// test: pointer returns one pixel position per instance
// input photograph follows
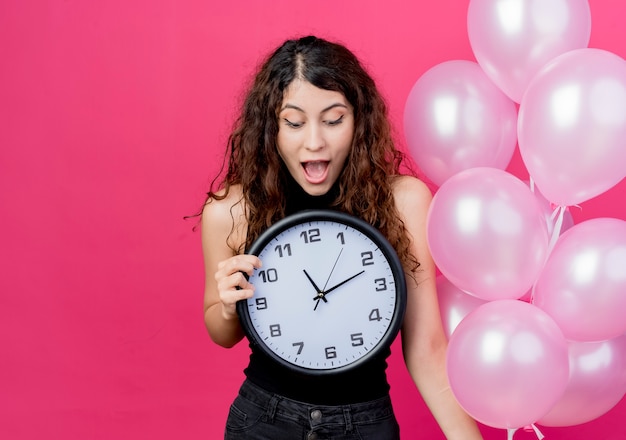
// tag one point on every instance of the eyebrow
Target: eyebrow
(330, 107)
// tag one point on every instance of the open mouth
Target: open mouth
(315, 171)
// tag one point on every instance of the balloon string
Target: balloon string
(559, 212)
(511, 431)
(537, 432)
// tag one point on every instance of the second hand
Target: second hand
(333, 269)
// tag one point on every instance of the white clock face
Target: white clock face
(328, 293)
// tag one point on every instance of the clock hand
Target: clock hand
(343, 282)
(333, 269)
(318, 302)
(322, 295)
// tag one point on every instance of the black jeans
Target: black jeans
(256, 414)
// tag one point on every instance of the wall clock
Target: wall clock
(330, 294)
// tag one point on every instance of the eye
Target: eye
(288, 123)
(335, 121)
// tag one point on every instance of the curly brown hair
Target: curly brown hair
(364, 186)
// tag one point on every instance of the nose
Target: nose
(314, 138)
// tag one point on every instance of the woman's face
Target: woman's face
(315, 133)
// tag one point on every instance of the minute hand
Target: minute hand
(326, 292)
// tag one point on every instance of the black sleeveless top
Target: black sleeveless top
(363, 383)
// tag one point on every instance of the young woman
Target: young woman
(313, 133)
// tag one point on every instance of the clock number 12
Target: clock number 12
(311, 235)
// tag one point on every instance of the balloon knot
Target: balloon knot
(527, 428)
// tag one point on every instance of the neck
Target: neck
(299, 200)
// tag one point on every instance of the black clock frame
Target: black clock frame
(377, 238)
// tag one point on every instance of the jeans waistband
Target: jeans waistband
(317, 414)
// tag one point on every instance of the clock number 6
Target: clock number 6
(331, 352)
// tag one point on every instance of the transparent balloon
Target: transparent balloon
(513, 39)
(507, 363)
(583, 283)
(597, 382)
(455, 118)
(454, 304)
(487, 233)
(572, 126)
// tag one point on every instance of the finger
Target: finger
(235, 281)
(231, 297)
(239, 263)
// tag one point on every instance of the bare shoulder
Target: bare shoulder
(411, 194)
(217, 213)
(225, 218)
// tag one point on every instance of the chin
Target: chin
(316, 190)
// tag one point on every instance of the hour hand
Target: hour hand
(320, 293)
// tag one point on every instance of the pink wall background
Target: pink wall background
(113, 117)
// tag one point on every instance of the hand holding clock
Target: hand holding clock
(232, 284)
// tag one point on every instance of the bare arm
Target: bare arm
(423, 340)
(223, 221)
